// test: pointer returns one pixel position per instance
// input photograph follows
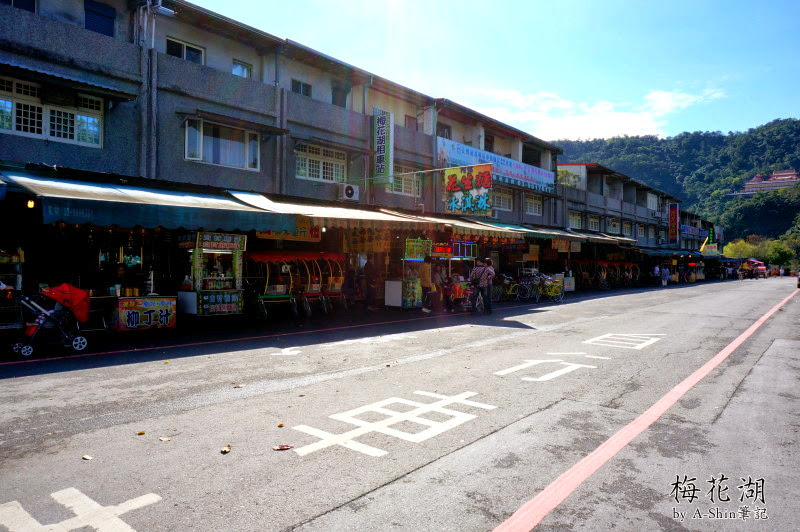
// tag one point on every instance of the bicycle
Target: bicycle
(554, 291)
(510, 289)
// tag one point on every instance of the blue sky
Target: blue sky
(566, 68)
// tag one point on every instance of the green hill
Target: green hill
(703, 168)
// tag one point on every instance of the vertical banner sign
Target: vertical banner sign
(468, 189)
(674, 219)
(712, 236)
(383, 145)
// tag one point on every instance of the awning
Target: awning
(623, 239)
(323, 212)
(509, 227)
(14, 67)
(103, 204)
(595, 237)
(456, 223)
(546, 232)
(656, 252)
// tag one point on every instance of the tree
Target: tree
(778, 253)
(739, 249)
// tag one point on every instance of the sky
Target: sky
(565, 69)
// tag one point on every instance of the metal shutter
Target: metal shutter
(100, 17)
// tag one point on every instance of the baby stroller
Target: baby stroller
(71, 308)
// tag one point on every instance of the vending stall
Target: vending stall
(215, 285)
(407, 292)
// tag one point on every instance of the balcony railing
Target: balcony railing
(328, 117)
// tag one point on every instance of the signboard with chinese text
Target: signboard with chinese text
(139, 313)
(504, 170)
(221, 241)
(711, 250)
(417, 249)
(575, 247)
(383, 145)
(468, 189)
(215, 302)
(442, 250)
(674, 223)
(561, 246)
(304, 231)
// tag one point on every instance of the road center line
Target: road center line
(532, 512)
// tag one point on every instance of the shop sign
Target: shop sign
(561, 246)
(219, 302)
(383, 145)
(365, 240)
(221, 241)
(674, 222)
(712, 235)
(575, 247)
(442, 250)
(465, 250)
(467, 190)
(504, 170)
(569, 284)
(145, 313)
(711, 250)
(533, 249)
(417, 249)
(690, 230)
(304, 231)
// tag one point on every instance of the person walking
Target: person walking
(481, 278)
(664, 276)
(425, 280)
(656, 273)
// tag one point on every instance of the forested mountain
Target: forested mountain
(703, 168)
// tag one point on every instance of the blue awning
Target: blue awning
(103, 204)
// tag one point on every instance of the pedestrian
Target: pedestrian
(664, 276)
(437, 281)
(481, 278)
(425, 281)
(447, 294)
(371, 280)
(780, 272)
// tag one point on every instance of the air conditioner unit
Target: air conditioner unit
(348, 192)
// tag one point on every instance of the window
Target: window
(651, 232)
(641, 231)
(502, 200)
(613, 225)
(23, 113)
(27, 5)
(339, 92)
(411, 122)
(533, 205)
(444, 131)
(301, 88)
(99, 17)
(594, 223)
(318, 163)
(221, 145)
(652, 202)
(488, 143)
(627, 228)
(183, 50)
(575, 219)
(404, 181)
(241, 69)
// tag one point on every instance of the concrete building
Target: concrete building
(777, 180)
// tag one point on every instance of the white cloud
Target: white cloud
(549, 116)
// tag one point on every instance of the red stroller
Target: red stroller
(72, 308)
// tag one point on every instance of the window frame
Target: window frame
(199, 158)
(16, 98)
(303, 85)
(501, 193)
(534, 199)
(184, 44)
(244, 64)
(629, 231)
(591, 226)
(410, 120)
(416, 185)
(574, 215)
(302, 151)
(446, 129)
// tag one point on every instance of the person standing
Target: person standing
(657, 273)
(664, 276)
(481, 278)
(425, 281)
(371, 280)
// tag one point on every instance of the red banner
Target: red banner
(674, 223)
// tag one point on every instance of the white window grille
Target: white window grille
(502, 200)
(320, 164)
(652, 202)
(575, 220)
(404, 181)
(627, 228)
(221, 145)
(23, 113)
(594, 223)
(533, 205)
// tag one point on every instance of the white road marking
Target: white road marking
(557, 373)
(601, 358)
(384, 426)
(87, 512)
(527, 364)
(287, 352)
(625, 341)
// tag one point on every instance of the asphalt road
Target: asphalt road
(447, 422)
